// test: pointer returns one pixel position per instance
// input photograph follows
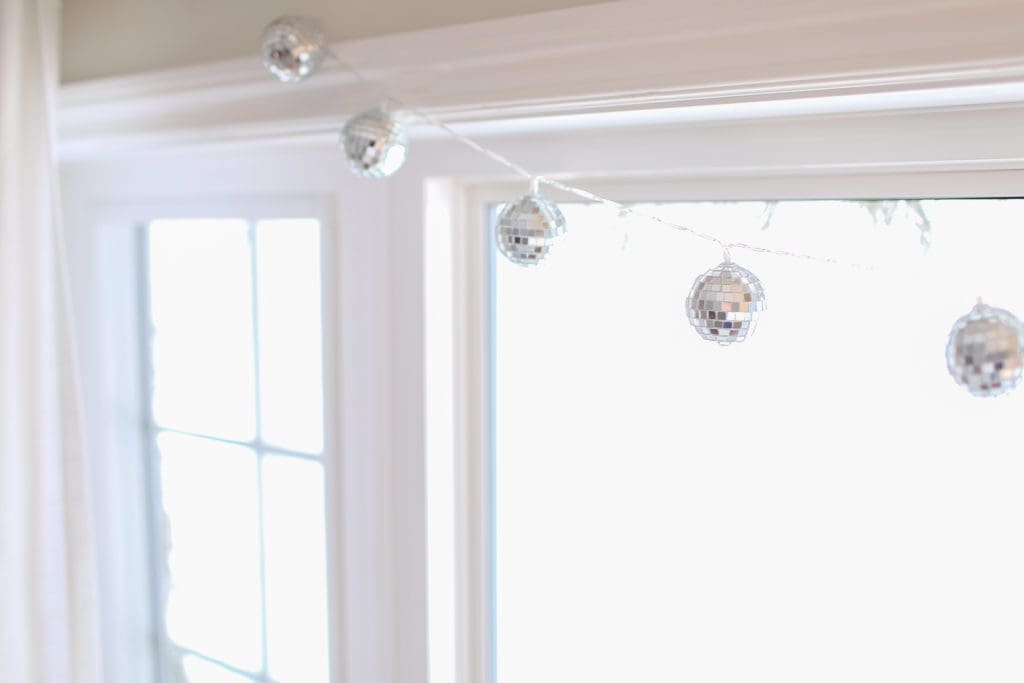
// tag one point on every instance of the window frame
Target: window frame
(406, 289)
(464, 528)
(158, 543)
(127, 473)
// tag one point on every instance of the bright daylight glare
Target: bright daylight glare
(237, 421)
(819, 503)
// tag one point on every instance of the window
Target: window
(666, 509)
(234, 346)
(407, 424)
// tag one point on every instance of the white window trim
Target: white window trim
(383, 320)
(460, 347)
(121, 433)
(460, 530)
(408, 386)
(248, 211)
(610, 57)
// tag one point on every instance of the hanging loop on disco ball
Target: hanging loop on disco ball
(374, 144)
(528, 227)
(293, 48)
(725, 302)
(985, 353)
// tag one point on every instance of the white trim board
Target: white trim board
(636, 54)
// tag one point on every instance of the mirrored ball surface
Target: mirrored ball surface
(293, 48)
(724, 303)
(984, 353)
(528, 227)
(374, 144)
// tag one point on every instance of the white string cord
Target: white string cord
(469, 142)
(623, 209)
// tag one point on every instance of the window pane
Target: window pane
(820, 502)
(296, 563)
(201, 671)
(201, 307)
(288, 267)
(210, 495)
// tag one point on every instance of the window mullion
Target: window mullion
(255, 444)
(170, 656)
(254, 294)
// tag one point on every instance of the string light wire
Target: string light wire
(391, 101)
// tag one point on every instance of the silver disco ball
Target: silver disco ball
(374, 143)
(293, 48)
(725, 302)
(528, 227)
(984, 353)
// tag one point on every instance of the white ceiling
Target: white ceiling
(113, 37)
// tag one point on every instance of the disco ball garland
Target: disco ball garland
(985, 351)
(374, 144)
(293, 48)
(725, 302)
(528, 227)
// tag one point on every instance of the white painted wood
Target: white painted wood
(102, 202)
(382, 318)
(615, 56)
(908, 154)
(103, 253)
(474, 427)
(794, 99)
(443, 585)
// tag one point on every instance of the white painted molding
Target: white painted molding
(632, 55)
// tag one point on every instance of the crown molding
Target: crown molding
(727, 58)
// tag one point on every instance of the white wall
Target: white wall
(111, 37)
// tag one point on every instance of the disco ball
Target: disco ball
(374, 144)
(985, 351)
(293, 48)
(725, 302)
(528, 227)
